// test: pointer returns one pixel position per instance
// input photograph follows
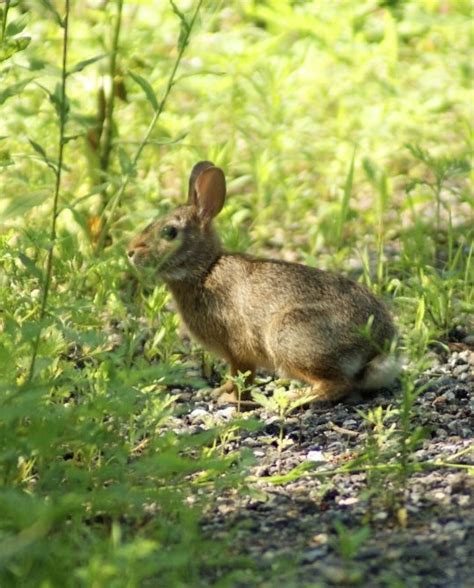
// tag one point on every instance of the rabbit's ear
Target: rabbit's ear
(197, 169)
(210, 193)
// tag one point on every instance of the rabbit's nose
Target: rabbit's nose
(135, 250)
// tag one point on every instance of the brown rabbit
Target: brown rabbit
(306, 323)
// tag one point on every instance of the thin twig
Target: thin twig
(110, 103)
(115, 200)
(342, 430)
(141, 445)
(49, 260)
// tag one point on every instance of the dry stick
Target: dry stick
(118, 195)
(110, 104)
(342, 430)
(49, 261)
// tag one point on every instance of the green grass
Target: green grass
(345, 131)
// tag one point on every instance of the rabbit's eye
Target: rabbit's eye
(169, 232)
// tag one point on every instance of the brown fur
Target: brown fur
(309, 324)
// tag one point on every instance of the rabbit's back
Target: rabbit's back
(262, 288)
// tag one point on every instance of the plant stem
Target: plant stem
(4, 19)
(57, 186)
(171, 79)
(280, 443)
(110, 104)
(384, 468)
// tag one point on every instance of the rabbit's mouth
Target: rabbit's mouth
(143, 258)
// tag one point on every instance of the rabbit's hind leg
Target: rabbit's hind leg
(225, 391)
(320, 389)
(306, 345)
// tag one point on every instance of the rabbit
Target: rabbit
(302, 322)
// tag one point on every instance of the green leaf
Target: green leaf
(36, 63)
(80, 218)
(294, 474)
(13, 90)
(83, 64)
(6, 159)
(30, 266)
(42, 153)
(56, 99)
(51, 8)
(11, 46)
(39, 149)
(184, 31)
(15, 27)
(23, 204)
(126, 164)
(146, 87)
(178, 12)
(170, 141)
(268, 404)
(346, 198)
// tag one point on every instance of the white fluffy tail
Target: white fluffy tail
(380, 372)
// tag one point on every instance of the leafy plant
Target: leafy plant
(348, 544)
(281, 404)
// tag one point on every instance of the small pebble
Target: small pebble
(320, 539)
(461, 369)
(316, 457)
(449, 396)
(198, 414)
(451, 527)
(349, 423)
(467, 356)
(348, 501)
(226, 413)
(312, 555)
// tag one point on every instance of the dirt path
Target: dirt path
(325, 528)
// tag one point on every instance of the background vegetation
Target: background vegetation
(345, 129)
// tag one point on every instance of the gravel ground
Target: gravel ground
(288, 524)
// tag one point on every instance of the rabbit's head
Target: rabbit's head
(183, 244)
